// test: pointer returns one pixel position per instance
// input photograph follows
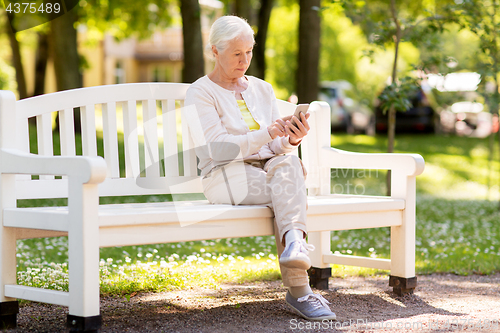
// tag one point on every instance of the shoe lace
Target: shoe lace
(306, 247)
(316, 300)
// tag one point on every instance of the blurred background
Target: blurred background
(407, 76)
(385, 67)
(342, 52)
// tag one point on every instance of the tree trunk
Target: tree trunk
(391, 117)
(16, 58)
(42, 56)
(194, 64)
(258, 66)
(244, 10)
(308, 58)
(496, 97)
(64, 47)
(64, 52)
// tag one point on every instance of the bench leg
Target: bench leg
(8, 314)
(84, 324)
(320, 271)
(403, 286)
(318, 277)
(83, 249)
(403, 279)
(9, 307)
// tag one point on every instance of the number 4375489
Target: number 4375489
(33, 8)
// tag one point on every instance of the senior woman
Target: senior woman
(241, 144)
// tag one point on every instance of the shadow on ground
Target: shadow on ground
(260, 307)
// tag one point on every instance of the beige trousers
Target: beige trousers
(278, 183)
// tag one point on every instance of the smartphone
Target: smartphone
(301, 108)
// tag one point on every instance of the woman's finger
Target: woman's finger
(292, 127)
(304, 123)
(281, 122)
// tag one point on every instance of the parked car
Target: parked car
(468, 119)
(421, 117)
(347, 114)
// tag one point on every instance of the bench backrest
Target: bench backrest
(158, 155)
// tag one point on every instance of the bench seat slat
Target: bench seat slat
(189, 154)
(58, 188)
(130, 139)
(333, 204)
(354, 220)
(55, 219)
(44, 137)
(189, 212)
(110, 139)
(89, 139)
(37, 294)
(170, 152)
(67, 132)
(342, 259)
(174, 232)
(150, 138)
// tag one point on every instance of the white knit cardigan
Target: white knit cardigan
(218, 129)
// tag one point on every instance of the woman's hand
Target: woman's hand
(297, 132)
(277, 129)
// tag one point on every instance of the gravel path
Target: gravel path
(441, 303)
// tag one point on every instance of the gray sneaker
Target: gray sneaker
(296, 255)
(311, 307)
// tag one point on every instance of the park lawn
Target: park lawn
(457, 229)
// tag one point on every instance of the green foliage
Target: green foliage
(121, 18)
(281, 50)
(483, 18)
(398, 94)
(340, 58)
(4, 77)
(341, 43)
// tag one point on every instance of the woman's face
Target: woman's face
(235, 59)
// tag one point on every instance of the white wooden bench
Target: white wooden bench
(90, 226)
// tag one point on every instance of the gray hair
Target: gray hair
(225, 29)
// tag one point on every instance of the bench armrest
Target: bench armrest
(90, 170)
(408, 164)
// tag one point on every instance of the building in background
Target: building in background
(157, 59)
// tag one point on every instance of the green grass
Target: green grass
(455, 167)
(457, 228)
